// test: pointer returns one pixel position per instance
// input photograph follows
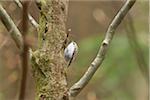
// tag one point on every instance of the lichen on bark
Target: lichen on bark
(48, 64)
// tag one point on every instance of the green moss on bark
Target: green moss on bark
(47, 61)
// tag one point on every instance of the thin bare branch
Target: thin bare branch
(132, 38)
(31, 19)
(9, 24)
(3, 43)
(77, 87)
(33, 22)
(25, 52)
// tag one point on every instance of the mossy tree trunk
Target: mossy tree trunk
(49, 66)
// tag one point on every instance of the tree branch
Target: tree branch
(3, 43)
(25, 51)
(132, 38)
(9, 24)
(31, 19)
(77, 87)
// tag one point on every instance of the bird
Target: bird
(70, 52)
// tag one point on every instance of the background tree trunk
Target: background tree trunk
(49, 66)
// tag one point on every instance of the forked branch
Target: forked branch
(31, 19)
(77, 87)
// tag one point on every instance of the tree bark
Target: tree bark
(48, 64)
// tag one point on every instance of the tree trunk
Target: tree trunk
(49, 66)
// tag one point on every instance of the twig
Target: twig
(132, 38)
(77, 87)
(31, 19)
(9, 24)
(3, 43)
(5, 40)
(25, 52)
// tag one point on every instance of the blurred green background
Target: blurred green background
(120, 77)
